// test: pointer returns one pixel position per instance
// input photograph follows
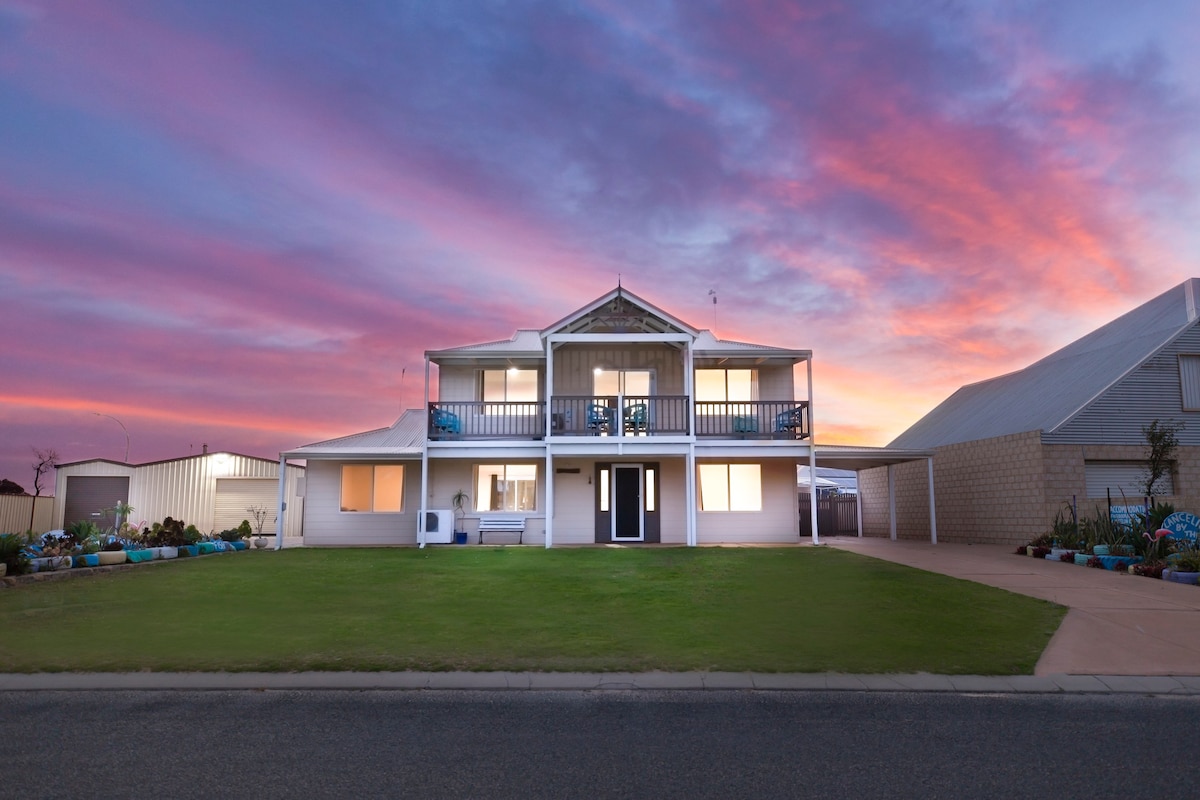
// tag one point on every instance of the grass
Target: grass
(759, 609)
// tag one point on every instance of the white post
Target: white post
(282, 507)
(892, 501)
(549, 499)
(932, 509)
(693, 538)
(858, 500)
(812, 459)
(424, 464)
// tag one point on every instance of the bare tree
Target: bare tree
(46, 461)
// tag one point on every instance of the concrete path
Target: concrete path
(1118, 624)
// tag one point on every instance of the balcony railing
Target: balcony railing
(753, 419)
(614, 415)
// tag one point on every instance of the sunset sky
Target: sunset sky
(237, 223)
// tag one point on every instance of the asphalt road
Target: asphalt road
(533, 745)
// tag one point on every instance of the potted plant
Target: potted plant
(459, 500)
(260, 518)
(13, 557)
(1183, 567)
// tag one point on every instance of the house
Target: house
(1012, 452)
(211, 491)
(619, 423)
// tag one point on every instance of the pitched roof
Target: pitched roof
(405, 437)
(1049, 393)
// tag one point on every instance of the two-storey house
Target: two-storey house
(618, 424)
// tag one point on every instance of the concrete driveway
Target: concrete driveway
(1118, 624)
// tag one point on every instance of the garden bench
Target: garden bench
(502, 524)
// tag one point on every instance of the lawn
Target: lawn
(480, 608)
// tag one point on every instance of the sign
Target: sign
(1183, 526)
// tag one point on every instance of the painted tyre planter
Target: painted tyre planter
(138, 556)
(207, 548)
(1081, 559)
(1181, 577)
(168, 552)
(86, 560)
(1056, 553)
(1120, 563)
(189, 550)
(238, 545)
(51, 563)
(110, 557)
(1100, 550)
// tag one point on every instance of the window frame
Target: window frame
(728, 487)
(372, 491)
(481, 495)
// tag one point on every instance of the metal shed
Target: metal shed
(211, 491)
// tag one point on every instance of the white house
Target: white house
(617, 424)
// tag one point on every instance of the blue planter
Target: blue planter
(137, 556)
(89, 560)
(186, 550)
(1181, 577)
(460, 537)
(1119, 562)
(238, 545)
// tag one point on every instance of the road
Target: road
(531, 745)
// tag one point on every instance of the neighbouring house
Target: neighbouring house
(618, 424)
(1012, 452)
(211, 491)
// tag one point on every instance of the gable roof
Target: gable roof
(1049, 393)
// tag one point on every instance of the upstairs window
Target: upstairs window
(724, 386)
(509, 385)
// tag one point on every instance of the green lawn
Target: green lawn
(479, 608)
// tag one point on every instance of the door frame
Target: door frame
(640, 501)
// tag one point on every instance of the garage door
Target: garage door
(236, 495)
(89, 495)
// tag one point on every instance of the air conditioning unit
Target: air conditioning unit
(439, 526)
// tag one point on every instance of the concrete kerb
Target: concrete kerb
(599, 682)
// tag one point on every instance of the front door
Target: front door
(628, 511)
(627, 502)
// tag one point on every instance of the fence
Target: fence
(14, 513)
(837, 515)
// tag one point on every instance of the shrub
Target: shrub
(12, 552)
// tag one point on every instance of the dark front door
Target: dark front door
(628, 515)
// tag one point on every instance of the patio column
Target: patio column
(858, 500)
(549, 499)
(892, 501)
(932, 509)
(424, 504)
(812, 459)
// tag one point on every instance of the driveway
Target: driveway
(1118, 624)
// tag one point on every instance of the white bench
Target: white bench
(502, 524)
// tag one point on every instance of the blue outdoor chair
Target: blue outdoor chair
(599, 417)
(636, 418)
(791, 421)
(446, 422)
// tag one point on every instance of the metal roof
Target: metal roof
(405, 437)
(1049, 393)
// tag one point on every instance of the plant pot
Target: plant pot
(260, 542)
(111, 557)
(460, 537)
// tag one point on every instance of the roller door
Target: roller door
(235, 495)
(89, 495)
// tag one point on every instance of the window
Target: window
(1122, 480)
(506, 487)
(725, 385)
(632, 382)
(1189, 380)
(730, 487)
(372, 487)
(509, 385)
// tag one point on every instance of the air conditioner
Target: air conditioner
(439, 526)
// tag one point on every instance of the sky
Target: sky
(241, 224)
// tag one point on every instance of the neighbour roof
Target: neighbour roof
(1049, 393)
(406, 436)
(165, 460)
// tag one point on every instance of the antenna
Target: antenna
(402, 371)
(713, 294)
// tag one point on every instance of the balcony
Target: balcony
(658, 415)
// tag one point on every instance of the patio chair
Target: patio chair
(791, 421)
(446, 423)
(635, 418)
(599, 417)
